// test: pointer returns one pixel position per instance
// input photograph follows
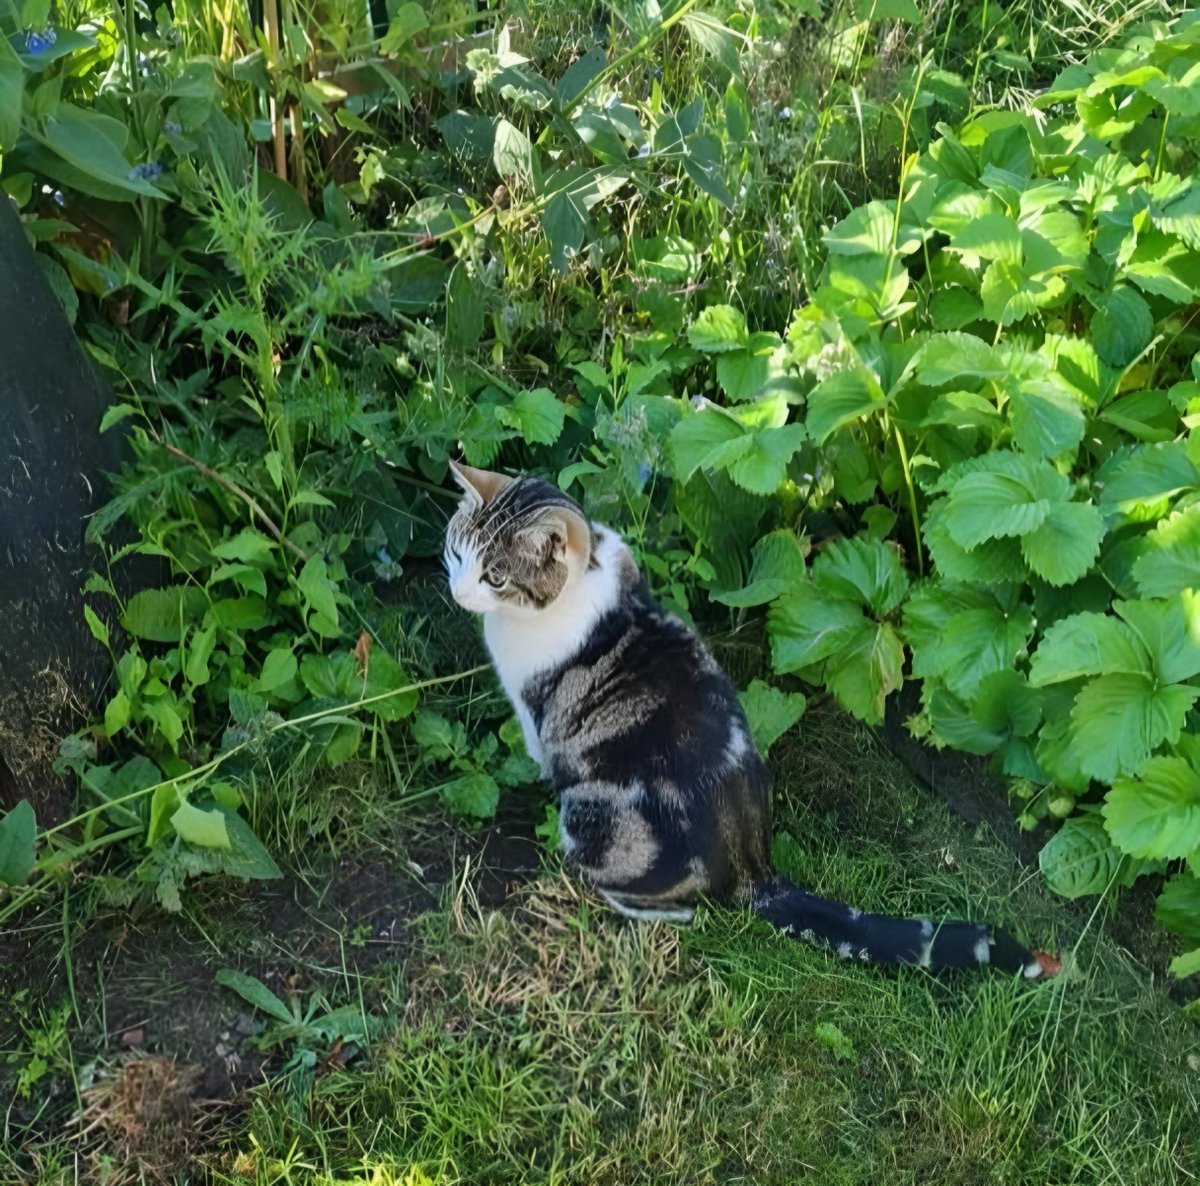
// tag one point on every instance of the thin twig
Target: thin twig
(248, 499)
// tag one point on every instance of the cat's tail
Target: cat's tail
(886, 939)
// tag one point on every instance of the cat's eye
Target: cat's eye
(493, 577)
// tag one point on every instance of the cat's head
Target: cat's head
(514, 545)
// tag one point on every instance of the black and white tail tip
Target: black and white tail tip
(885, 939)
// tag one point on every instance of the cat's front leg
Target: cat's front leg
(533, 743)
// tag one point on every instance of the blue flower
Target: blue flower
(785, 113)
(644, 472)
(146, 172)
(38, 43)
(171, 127)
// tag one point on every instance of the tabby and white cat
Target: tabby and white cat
(663, 796)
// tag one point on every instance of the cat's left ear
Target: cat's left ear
(479, 485)
(566, 536)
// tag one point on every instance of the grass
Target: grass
(534, 1038)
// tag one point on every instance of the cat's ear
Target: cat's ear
(480, 485)
(565, 535)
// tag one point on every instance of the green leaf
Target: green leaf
(474, 795)
(386, 675)
(808, 625)
(714, 38)
(696, 436)
(1178, 907)
(841, 399)
(1047, 420)
(205, 829)
(761, 460)
(1063, 549)
(953, 357)
(866, 671)
(771, 712)
(1187, 964)
(255, 993)
(163, 615)
(249, 546)
(318, 589)
(92, 146)
(1079, 859)
(579, 75)
(18, 839)
(1148, 474)
(1012, 495)
(565, 224)
(95, 625)
(777, 564)
(744, 373)
(1119, 720)
(116, 714)
(246, 856)
(278, 668)
(408, 21)
(992, 236)
(992, 562)
(1121, 327)
(537, 415)
(1157, 814)
(976, 643)
(195, 666)
(1170, 632)
(867, 570)
(512, 154)
(1087, 644)
(12, 88)
(1002, 707)
(718, 328)
(1170, 562)
(866, 230)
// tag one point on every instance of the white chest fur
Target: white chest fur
(523, 646)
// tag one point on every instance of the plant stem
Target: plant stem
(234, 489)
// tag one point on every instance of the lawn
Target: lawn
(872, 326)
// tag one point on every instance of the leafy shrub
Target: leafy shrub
(1002, 379)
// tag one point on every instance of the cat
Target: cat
(663, 797)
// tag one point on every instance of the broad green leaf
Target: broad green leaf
(867, 570)
(868, 230)
(841, 399)
(695, 437)
(97, 627)
(1006, 500)
(991, 237)
(714, 38)
(386, 675)
(808, 625)
(474, 795)
(1178, 906)
(1047, 420)
(116, 714)
(952, 308)
(512, 154)
(1187, 964)
(565, 224)
(93, 145)
(777, 564)
(318, 589)
(977, 643)
(762, 464)
(718, 328)
(953, 357)
(1121, 326)
(538, 415)
(1087, 644)
(866, 671)
(1079, 859)
(12, 87)
(1170, 632)
(255, 993)
(1119, 720)
(1147, 474)
(579, 75)
(1065, 546)
(996, 561)
(195, 666)
(163, 615)
(249, 547)
(164, 802)
(278, 668)
(18, 838)
(206, 829)
(744, 373)
(771, 712)
(246, 856)
(1170, 562)
(1157, 813)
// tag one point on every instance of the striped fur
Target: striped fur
(663, 796)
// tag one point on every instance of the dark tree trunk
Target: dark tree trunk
(53, 463)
